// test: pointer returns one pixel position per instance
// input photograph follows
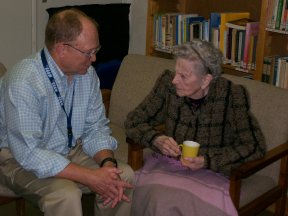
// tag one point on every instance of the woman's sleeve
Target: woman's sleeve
(247, 139)
(149, 113)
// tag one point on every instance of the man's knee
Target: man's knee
(59, 194)
(128, 173)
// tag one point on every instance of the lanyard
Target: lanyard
(61, 102)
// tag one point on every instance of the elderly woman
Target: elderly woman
(196, 103)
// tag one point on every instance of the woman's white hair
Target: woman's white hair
(203, 52)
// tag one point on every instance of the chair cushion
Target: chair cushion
(248, 190)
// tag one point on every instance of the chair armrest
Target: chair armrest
(247, 169)
(135, 150)
(135, 154)
(106, 94)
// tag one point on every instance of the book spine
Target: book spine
(242, 48)
(284, 15)
(265, 70)
(275, 75)
(240, 41)
(251, 30)
(286, 75)
(274, 15)
(279, 14)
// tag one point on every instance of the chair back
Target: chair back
(269, 104)
(137, 76)
(2, 69)
(135, 79)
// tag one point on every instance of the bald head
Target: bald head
(66, 26)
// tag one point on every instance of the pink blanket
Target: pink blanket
(165, 187)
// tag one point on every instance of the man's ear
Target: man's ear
(206, 80)
(60, 49)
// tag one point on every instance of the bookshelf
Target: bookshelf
(204, 8)
(271, 41)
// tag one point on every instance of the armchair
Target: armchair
(261, 182)
(6, 195)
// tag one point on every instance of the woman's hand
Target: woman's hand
(167, 146)
(193, 163)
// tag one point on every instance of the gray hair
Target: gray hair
(209, 57)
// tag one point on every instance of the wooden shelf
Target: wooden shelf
(270, 41)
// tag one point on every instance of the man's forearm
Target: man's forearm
(75, 173)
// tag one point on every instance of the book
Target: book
(250, 55)
(226, 17)
(206, 30)
(215, 37)
(286, 76)
(195, 27)
(284, 15)
(252, 30)
(240, 47)
(195, 31)
(233, 46)
(269, 13)
(275, 69)
(279, 14)
(185, 26)
(228, 51)
(253, 66)
(280, 79)
(239, 24)
(214, 28)
(274, 14)
(266, 69)
(215, 20)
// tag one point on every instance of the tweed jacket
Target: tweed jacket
(227, 131)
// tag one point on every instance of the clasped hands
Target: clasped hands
(106, 182)
(169, 147)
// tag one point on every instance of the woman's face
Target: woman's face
(188, 81)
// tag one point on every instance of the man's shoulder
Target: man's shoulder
(25, 67)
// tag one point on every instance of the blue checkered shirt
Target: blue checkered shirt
(33, 124)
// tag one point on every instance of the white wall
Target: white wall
(22, 28)
(15, 34)
(138, 11)
(138, 19)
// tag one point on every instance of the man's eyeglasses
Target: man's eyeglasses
(87, 54)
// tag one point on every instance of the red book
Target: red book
(252, 30)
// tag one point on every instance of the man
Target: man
(53, 123)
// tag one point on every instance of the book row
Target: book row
(275, 71)
(240, 43)
(232, 32)
(174, 29)
(277, 11)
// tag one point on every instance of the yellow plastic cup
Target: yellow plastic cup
(189, 149)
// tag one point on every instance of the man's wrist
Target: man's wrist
(109, 160)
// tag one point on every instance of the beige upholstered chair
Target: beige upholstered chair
(269, 104)
(6, 195)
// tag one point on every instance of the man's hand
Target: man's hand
(107, 183)
(104, 181)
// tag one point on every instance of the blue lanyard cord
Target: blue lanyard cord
(61, 102)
